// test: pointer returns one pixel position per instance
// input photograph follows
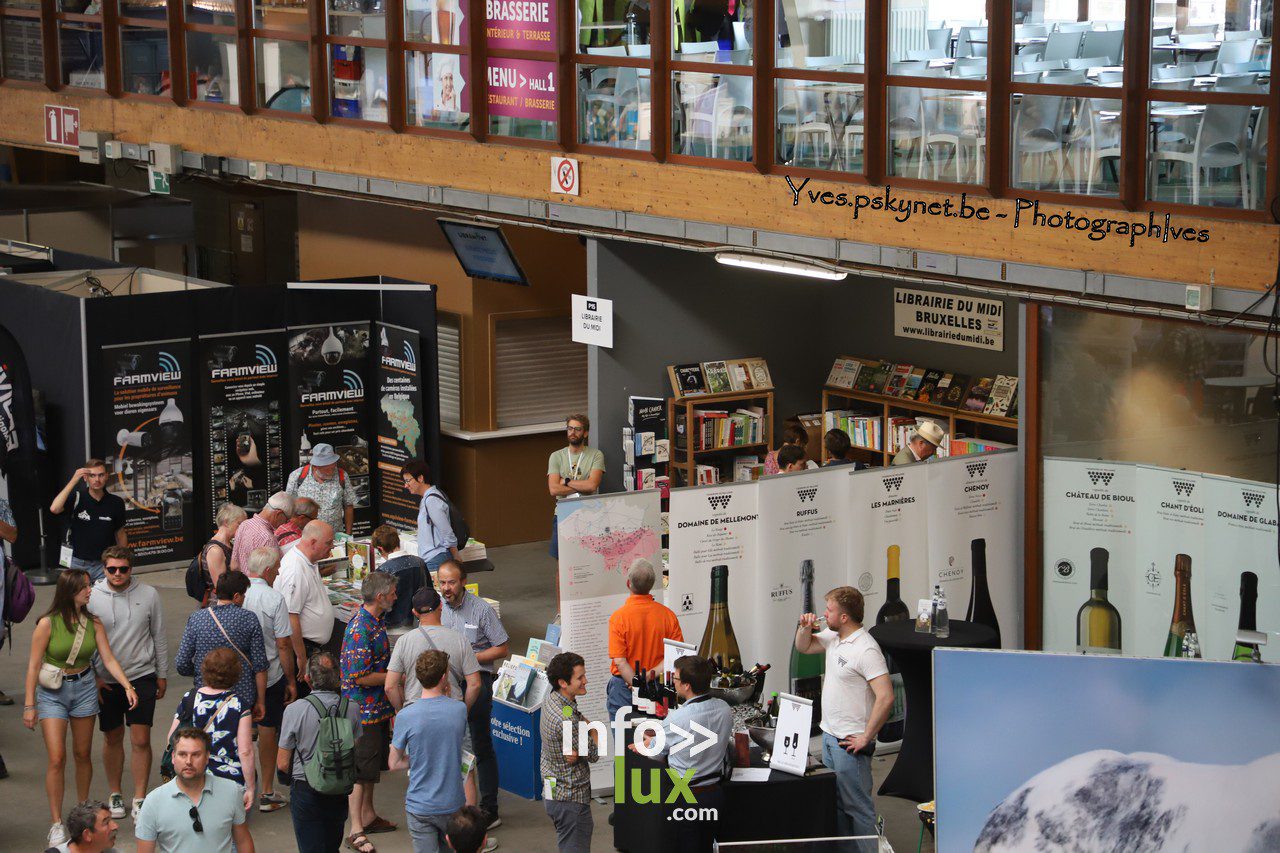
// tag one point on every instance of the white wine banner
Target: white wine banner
(1142, 518)
(889, 506)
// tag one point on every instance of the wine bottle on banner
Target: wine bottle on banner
(1183, 621)
(894, 609)
(981, 610)
(1246, 651)
(1098, 621)
(807, 669)
(719, 643)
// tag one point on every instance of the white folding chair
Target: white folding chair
(1221, 143)
(1087, 62)
(1073, 26)
(1063, 45)
(1109, 44)
(1037, 130)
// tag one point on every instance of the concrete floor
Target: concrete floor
(524, 583)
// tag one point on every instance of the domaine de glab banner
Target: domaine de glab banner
(399, 420)
(146, 443)
(1124, 526)
(242, 389)
(327, 369)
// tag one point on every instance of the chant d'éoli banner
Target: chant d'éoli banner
(327, 370)
(399, 421)
(243, 393)
(145, 437)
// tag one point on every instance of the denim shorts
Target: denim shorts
(76, 698)
(93, 567)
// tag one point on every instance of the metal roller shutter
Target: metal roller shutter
(449, 368)
(540, 373)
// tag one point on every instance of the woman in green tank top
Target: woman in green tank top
(75, 704)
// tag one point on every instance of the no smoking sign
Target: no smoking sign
(564, 176)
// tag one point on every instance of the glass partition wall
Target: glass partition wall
(1129, 104)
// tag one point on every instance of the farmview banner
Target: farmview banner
(1148, 521)
(145, 438)
(242, 394)
(398, 419)
(328, 366)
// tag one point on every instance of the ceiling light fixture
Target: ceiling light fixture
(757, 262)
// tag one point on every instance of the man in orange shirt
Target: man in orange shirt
(636, 632)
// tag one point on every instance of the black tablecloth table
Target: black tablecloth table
(912, 774)
(786, 806)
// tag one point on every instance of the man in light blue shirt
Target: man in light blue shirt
(436, 541)
(705, 770)
(428, 742)
(197, 812)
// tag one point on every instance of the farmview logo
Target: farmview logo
(893, 484)
(1184, 488)
(169, 371)
(719, 502)
(976, 469)
(353, 389)
(265, 365)
(1253, 500)
(409, 362)
(807, 495)
(648, 738)
(1103, 477)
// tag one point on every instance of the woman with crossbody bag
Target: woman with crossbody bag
(216, 708)
(62, 691)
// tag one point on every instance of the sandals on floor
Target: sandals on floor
(360, 843)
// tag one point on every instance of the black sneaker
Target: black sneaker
(4, 771)
(494, 823)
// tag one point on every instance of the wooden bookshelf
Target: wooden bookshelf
(886, 407)
(686, 460)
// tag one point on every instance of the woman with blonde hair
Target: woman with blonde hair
(62, 691)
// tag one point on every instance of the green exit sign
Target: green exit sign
(158, 180)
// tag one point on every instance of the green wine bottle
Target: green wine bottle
(806, 669)
(1244, 651)
(1097, 620)
(1183, 621)
(718, 639)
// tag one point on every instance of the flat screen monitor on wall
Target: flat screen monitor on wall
(483, 251)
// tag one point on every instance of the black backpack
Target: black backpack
(197, 579)
(458, 524)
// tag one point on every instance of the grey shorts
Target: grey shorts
(428, 832)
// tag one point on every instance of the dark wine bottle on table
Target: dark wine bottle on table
(807, 669)
(1098, 621)
(894, 609)
(719, 643)
(1183, 621)
(1245, 651)
(981, 610)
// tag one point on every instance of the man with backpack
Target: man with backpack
(438, 520)
(324, 482)
(97, 517)
(317, 758)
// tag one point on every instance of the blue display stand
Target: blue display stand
(517, 740)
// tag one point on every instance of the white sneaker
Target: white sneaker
(115, 804)
(137, 807)
(489, 844)
(494, 824)
(58, 835)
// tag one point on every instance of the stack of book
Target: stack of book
(473, 550)
(996, 395)
(716, 428)
(646, 450)
(960, 445)
(719, 377)
(863, 430)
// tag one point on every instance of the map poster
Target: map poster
(973, 503)
(714, 526)
(803, 525)
(399, 421)
(599, 538)
(242, 393)
(1088, 505)
(146, 443)
(327, 371)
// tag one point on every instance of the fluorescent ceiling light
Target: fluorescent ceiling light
(757, 262)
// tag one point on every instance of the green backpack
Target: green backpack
(331, 767)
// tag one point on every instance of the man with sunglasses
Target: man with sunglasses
(196, 812)
(573, 470)
(133, 616)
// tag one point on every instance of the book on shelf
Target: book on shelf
(628, 478)
(872, 379)
(645, 444)
(843, 372)
(1002, 391)
(628, 446)
(716, 375)
(662, 450)
(927, 391)
(979, 393)
(646, 478)
(914, 378)
(739, 376)
(898, 430)
(863, 430)
(1013, 404)
(759, 370)
(897, 380)
(648, 414)
(663, 484)
(687, 379)
(961, 445)
(747, 468)
(707, 475)
(956, 387)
